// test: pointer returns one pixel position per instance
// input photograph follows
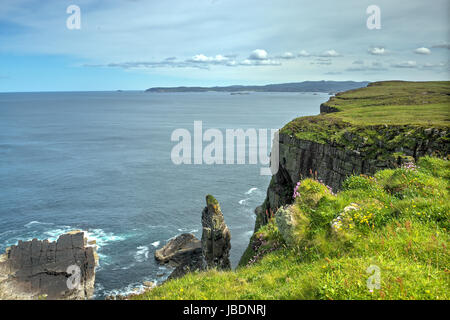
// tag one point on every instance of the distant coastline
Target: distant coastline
(305, 86)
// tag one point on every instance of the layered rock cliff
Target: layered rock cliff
(36, 269)
(332, 162)
(360, 131)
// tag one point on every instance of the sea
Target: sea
(102, 162)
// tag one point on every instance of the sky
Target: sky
(137, 44)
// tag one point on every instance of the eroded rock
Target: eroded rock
(39, 269)
(183, 252)
(179, 250)
(215, 236)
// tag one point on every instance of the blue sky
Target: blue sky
(136, 44)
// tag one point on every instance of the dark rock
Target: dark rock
(179, 250)
(195, 264)
(215, 236)
(35, 269)
(324, 108)
(183, 252)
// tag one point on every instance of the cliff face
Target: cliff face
(360, 132)
(41, 269)
(333, 162)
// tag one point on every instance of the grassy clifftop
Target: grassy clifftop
(382, 118)
(395, 102)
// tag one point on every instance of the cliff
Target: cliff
(361, 131)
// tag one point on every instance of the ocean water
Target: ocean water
(100, 162)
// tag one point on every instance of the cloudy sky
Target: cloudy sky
(136, 44)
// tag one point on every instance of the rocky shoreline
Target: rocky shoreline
(65, 269)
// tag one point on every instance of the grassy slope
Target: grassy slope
(401, 225)
(395, 102)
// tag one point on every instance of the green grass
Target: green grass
(395, 102)
(400, 223)
(406, 106)
(425, 115)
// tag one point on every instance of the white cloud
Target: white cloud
(258, 54)
(266, 62)
(321, 61)
(202, 58)
(363, 67)
(429, 65)
(405, 64)
(422, 50)
(303, 53)
(333, 73)
(258, 57)
(377, 51)
(444, 45)
(287, 55)
(330, 53)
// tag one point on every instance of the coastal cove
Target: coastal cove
(100, 162)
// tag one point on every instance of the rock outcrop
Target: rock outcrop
(215, 236)
(36, 269)
(187, 254)
(179, 250)
(183, 252)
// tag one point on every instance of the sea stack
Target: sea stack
(215, 236)
(40, 269)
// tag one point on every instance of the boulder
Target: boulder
(36, 269)
(183, 252)
(180, 250)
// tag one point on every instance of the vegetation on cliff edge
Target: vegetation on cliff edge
(396, 104)
(383, 121)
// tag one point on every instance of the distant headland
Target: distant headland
(305, 86)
